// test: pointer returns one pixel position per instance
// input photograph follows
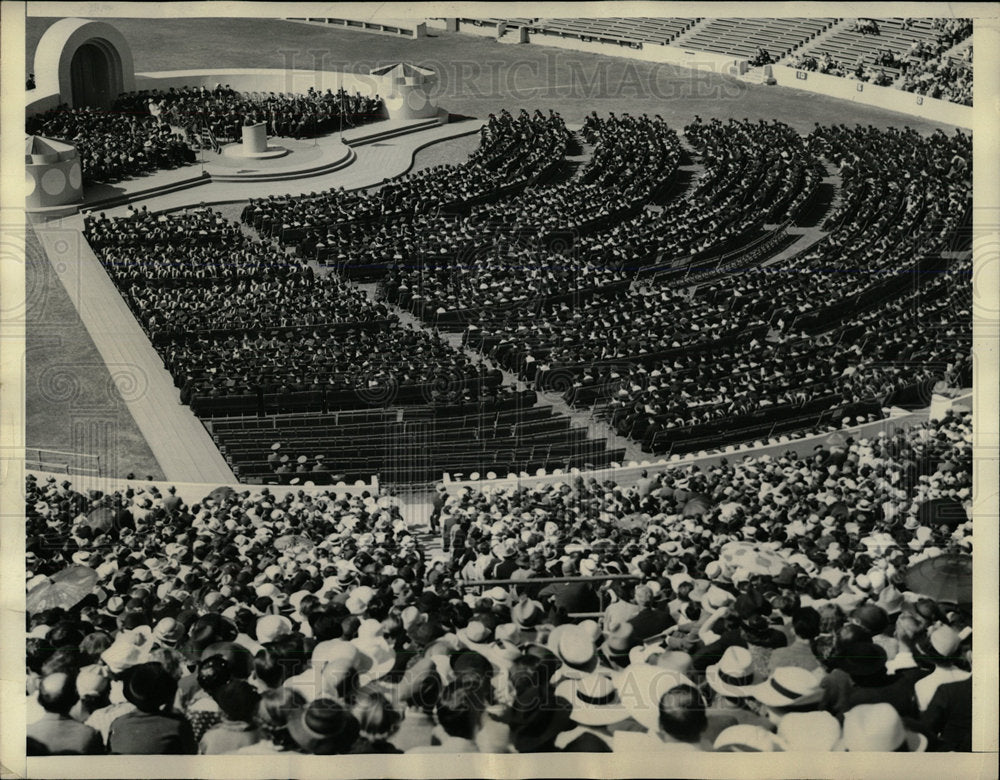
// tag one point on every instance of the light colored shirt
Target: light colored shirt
(926, 686)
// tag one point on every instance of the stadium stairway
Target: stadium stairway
(829, 32)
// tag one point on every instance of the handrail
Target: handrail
(546, 580)
(40, 450)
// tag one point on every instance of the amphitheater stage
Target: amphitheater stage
(366, 157)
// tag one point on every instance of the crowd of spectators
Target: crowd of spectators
(225, 111)
(113, 144)
(633, 158)
(922, 67)
(771, 604)
(922, 336)
(262, 320)
(942, 78)
(512, 153)
(150, 130)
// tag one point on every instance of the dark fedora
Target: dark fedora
(324, 727)
(150, 687)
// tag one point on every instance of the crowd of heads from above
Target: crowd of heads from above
(782, 603)
(151, 130)
(269, 322)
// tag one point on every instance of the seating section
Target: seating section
(743, 37)
(412, 445)
(632, 31)
(910, 53)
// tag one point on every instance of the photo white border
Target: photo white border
(987, 274)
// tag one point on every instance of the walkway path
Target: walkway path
(178, 440)
(375, 162)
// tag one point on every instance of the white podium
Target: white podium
(254, 145)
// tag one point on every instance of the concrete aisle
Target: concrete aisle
(179, 442)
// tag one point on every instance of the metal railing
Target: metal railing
(44, 459)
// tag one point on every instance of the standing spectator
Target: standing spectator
(152, 728)
(238, 702)
(57, 733)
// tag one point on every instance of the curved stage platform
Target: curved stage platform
(360, 157)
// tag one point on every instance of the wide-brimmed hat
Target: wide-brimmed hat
(168, 631)
(945, 640)
(270, 627)
(744, 738)
(734, 675)
(788, 686)
(381, 658)
(878, 728)
(641, 686)
(124, 653)
(817, 732)
(324, 727)
(574, 647)
(527, 613)
(359, 599)
(594, 698)
(149, 686)
(619, 636)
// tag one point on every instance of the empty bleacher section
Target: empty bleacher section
(744, 37)
(409, 445)
(407, 28)
(629, 31)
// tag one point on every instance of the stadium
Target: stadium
(498, 385)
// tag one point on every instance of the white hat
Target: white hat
(594, 698)
(744, 738)
(787, 686)
(878, 728)
(270, 627)
(359, 599)
(734, 675)
(641, 686)
(817, 732)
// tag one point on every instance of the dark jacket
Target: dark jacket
(143, 733)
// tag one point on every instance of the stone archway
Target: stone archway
(84, 62)
(95, 74)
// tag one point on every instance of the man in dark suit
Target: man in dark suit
(57, 733)
(948, 718)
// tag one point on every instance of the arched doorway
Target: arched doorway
(95, 74)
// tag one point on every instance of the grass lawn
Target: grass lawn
(71, 401)
(478, 75)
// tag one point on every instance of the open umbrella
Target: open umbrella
(743, 555)
(101, 519)
(292, 540)
(629, 522)
(696, 505)
(946, 578)
(945, 511)
(220, 494)
(64, 589)
(836, 440)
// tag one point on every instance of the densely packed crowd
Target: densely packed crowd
(775, 604)
(112, 144)
(264, 321)
(513, 152)
(225, 111)
(151, 130)
(903, 197)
